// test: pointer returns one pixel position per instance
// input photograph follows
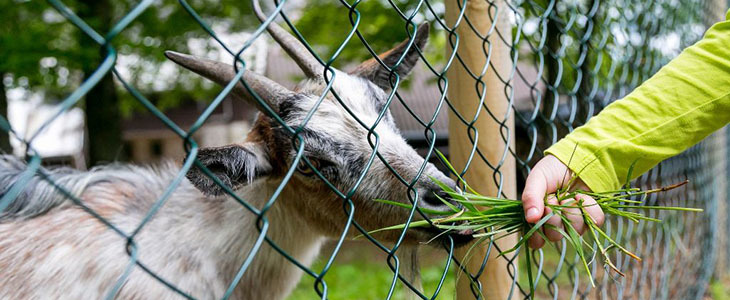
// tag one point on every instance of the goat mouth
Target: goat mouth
(459, 237)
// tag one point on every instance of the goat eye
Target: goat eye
(305, 170)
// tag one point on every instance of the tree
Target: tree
(37, 54)
(380, 25)
(4, 137)
(43, 52)
(103, 118)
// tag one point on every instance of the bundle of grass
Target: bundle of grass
(492, 218)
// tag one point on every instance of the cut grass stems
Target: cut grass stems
(492, 218)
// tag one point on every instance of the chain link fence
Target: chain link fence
(566, 61)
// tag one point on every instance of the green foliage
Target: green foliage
(48, 56)
(39, 48)
(167, 26)
(586, 58)
(380, 25)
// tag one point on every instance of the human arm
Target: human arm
(680, 105)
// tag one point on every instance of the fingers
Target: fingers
(536, 241)
(573, 214)
(555, 220)
(547, 175)
(592, 208)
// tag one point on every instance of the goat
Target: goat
(51, 248)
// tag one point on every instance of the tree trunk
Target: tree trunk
(103, 119)
(103, 122)
(549, 109)
(4, 136)
(552, 60)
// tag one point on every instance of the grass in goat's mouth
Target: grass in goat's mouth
(490, 218)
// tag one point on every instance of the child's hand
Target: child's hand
(548, 175)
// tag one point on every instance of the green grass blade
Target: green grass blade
(528, 234)
(408, 206)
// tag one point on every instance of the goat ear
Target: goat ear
(375, 72)
(234, 165)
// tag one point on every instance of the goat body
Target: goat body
(51, 248)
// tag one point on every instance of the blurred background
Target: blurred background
(44, 58)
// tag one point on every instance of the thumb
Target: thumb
(533, 195)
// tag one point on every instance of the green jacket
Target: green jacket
(680, 105)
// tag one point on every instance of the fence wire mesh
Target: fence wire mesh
(568, 59)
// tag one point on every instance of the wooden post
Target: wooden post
(462, 92)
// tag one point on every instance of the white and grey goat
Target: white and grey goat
(51, 248)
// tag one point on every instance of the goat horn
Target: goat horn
(296, 50)
(271, 92)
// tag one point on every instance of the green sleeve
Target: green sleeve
(684, 102)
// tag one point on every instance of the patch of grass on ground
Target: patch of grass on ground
(361, 273)
(366, 279)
